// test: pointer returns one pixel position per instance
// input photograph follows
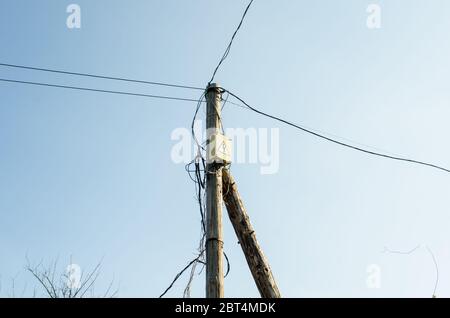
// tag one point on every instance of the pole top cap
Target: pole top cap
(212, 85)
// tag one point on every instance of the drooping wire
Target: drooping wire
(437, 270)
(99, 76)
(179, 275)
(201, 247)
(378, 154)
(228, 265)
(194, 137)
(436, 282)
(227, 50)
(388, 250)
(98, 90)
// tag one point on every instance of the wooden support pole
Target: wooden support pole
(214, 238)
(256, 260)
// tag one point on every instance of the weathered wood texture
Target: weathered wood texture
(214, 237)
(256, 260)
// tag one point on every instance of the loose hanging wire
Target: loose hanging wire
(436, 282)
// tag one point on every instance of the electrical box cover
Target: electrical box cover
(219, 149)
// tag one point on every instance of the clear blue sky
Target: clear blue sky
(90, 175)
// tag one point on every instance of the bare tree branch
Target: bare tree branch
(62, 287)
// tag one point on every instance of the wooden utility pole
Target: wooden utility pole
(256, 260)
(214, 238)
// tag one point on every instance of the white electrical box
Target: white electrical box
(219, 149)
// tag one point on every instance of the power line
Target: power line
(227, 50)
(98, 90)
(100, 76)
(112, 92)
(336, 141)
(325, 132)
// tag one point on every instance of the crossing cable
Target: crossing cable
(227, 50)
